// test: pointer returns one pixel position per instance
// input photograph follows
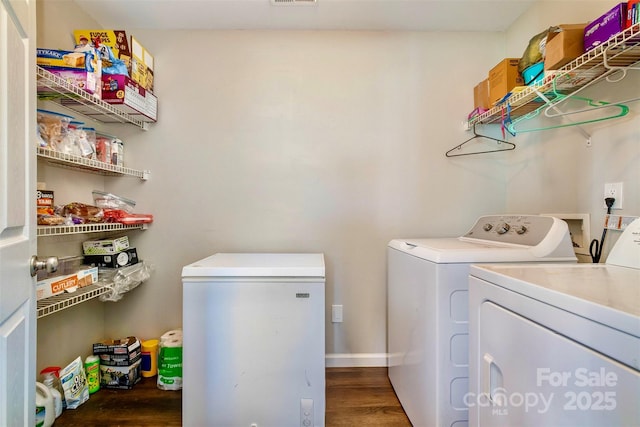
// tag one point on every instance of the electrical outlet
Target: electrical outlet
(336, 313)
(614, 190)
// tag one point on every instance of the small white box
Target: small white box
(105, 246)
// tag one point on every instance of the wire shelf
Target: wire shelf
(83, 102)
(58, 230)
(71, 161)
(619, 52)
(60, 302)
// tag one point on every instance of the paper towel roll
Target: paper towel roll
(170, 361)
(174, 334)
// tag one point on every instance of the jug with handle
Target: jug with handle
(45, 412)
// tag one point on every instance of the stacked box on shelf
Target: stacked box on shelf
(633, 13)
(67, 283)
(75, 68)
(111, 253)
(564, 44)
(502, 78)
(128, 86)
(130, 97)
(119, 362)
(123, 258)
(604, 27)
(105, 246)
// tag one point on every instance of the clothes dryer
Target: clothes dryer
(557, 344)
(427, 293)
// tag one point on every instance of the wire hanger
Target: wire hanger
(506, 147)
(620, 110)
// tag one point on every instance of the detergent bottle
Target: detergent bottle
(45, 412)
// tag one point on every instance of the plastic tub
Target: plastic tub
(111, 201)
(534, 73)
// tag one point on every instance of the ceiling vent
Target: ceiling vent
(294, 2)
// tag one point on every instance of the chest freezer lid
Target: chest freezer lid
(257, 265)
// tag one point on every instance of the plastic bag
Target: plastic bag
(122, 280)
(52, 128)
(535, 51)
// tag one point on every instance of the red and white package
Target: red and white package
(124, 217)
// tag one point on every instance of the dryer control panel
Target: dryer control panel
(527, 230)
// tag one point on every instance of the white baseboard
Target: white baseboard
(358, 360)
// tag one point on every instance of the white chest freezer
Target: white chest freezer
(254, 340)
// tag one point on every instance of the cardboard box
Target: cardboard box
(116, 40)
(633, 13)
(502, 78)
(69, 283)
(142, 64)
(118, 352)
(130, 97)
(105, 246)
(120, 377)
(119, 347)
(120, 360)
(44, 199)
(564, 45)
(607, 25)
(89, 81)
(481, 95)
(121, 259)
(60, 58)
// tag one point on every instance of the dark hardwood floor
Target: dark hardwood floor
(355, 397)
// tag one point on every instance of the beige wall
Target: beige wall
(560, 159)
(311, 141)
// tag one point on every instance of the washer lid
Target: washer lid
(498, 238)
(459, 250)
(257, 265)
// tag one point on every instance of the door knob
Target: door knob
(50, 264)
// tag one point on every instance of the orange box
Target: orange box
(564, 44)
(481, 95)
(502, 78)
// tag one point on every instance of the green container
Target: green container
(92, 371)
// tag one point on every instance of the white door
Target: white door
(17, 212)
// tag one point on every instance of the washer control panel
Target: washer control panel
(529, 230)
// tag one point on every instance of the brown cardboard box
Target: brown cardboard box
(502, 78)
(481, 95)
(564, 45)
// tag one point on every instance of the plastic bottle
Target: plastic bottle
(45, 412)
(92, 370)
(53, 372)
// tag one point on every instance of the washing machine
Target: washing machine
(427, 294)
(557, 345)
